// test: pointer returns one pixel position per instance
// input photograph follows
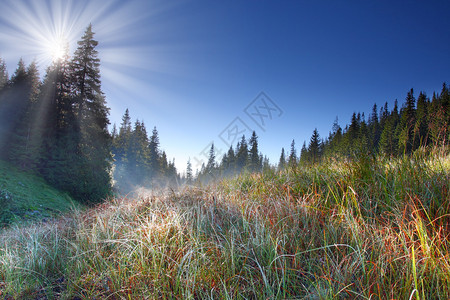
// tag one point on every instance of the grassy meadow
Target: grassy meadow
(373, 228)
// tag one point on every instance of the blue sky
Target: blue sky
(191, 68)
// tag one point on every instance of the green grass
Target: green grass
(374, 228)
(27, 197)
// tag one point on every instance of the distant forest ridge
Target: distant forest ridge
(58, 128)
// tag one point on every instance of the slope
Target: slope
(27, 197)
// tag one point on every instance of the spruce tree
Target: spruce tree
(211, 165)
(56, 128)
(254, 160)
(374, 129)
(13, 108)
(92, 116)
(138, 165)
(189, 176)
(389, 137)
(241, 155)
(282, 161)
(406, 126)
(292, 156)
(421, 125)
(229, 162)
(439, 117)
(154, 155)
(4, 77)
(304, 154)
(21, 145)
(315, 146)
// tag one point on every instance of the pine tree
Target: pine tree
(171, 174)
(439, 117)
(228, 163)
(282, 161)
(189, 176)
(138, 165)
(374, 129)
(154, 155)
(211, 165)
(315, 146)
(55, 123)
(364, 137)
(389, 137)
(292, 161)
(254, 160)
(421, 125)
(23, 150)
(92, 114)
(334, 143)
(406, 126)
(13, 108)
(304, 154)
(241, 155)
(4, 77)
(265, 164)
(163, 166)
(20, 117)
(114, 133)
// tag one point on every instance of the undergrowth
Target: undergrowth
(373, 228)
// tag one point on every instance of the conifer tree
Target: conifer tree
(254, 159)
(389, 139)
(374, 129)
(121, 144)
(353, 129)
(282, 161)
(163, 166)
(292, 156)
(333, 144)
(189, 176)
(114, 133)
(304, 155)
(439, 117)
(92, 116)
(241, 155)
(138, 165)
(56, 127)
(228, 163)
(211, 165)
(315, 146)
(406, 126)
(421, 125)
(363, 137)
(4, 77)
(22, 148)
(13, 108)
(154, 154)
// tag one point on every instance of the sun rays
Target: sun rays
(46, 31)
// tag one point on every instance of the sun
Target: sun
(57, 48)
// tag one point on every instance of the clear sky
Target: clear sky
(196, 69)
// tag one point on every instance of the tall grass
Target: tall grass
(373, 228)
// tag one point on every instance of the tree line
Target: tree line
(245, 157)
(138, 157)
(418, 123)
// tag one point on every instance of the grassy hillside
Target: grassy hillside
(24, 196)
(373, 228)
